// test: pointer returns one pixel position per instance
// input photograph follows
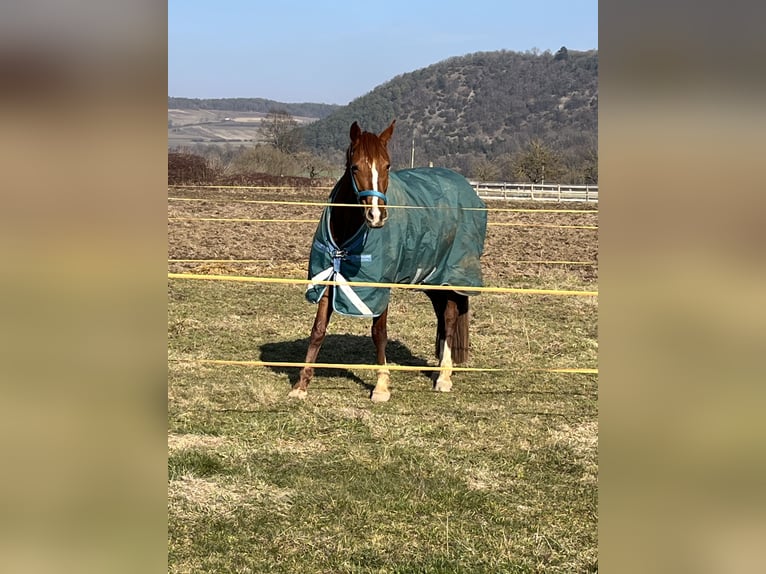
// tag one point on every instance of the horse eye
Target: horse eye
(354, 167)
(388, 167)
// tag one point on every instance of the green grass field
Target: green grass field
(501, 475)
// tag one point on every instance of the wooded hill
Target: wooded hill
(511, 116)
(482, 107)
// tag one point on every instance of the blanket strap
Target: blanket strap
(330, 274)
(334, 274)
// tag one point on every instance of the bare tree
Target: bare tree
(280, 130)
(590, 172)
(485, 170)
(537, 162)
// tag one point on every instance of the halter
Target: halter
(366, 192)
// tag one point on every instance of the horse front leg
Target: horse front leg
(318, 332)
(381, 393)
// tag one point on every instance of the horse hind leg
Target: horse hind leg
(451, 335)
(381, 392)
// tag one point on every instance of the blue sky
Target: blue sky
(335, 51)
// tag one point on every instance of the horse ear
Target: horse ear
(356, 131)
(387, 133)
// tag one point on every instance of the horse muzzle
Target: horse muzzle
(375, 215)
(375, 212)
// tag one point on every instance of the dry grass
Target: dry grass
(498, 476)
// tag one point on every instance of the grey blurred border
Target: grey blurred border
(682, 300)
(83, 101)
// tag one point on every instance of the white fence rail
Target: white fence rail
(536, 191)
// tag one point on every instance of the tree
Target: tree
(484, 170)
(507, 168)
(562, 54)
(281, 132)
(537, 162)
(590, 171)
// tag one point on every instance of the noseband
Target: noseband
(366, 192)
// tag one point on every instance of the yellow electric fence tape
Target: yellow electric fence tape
(372, 367)
(389, 285)
(325, 204)
(242, 219)
(537, 262)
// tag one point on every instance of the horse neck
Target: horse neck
(345, 220)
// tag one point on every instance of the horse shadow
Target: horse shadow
(340, 348)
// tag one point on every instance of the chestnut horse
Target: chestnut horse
(356, 221)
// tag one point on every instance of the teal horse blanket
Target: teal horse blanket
(438, 244)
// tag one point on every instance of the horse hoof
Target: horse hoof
(443, 386)
(298, 394)
(380, 396)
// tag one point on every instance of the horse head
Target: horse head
(367, 163)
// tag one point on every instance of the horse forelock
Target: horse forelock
(370, 149)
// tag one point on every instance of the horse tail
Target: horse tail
(460, 340)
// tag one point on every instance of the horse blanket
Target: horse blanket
(440, 243)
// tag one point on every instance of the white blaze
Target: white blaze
(375, 209)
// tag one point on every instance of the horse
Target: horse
(359, 238)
